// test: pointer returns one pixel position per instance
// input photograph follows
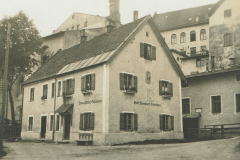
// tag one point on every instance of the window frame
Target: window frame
(124, 121)
(193, 39)
(183, 37)
(227, 13)
(203, 34)
(148, 51)
(57, 124)
(28, 126)
(68, 86)
(91, 78)
(165, 88)
(125, 82)
(53, 89)
(189, 105)
(237, 102)
(193, 51)
(43, 95)
(200, 62)
(59, 88)
(211, 103)
(51, 121)
(87, 126)
(228, 39)
(166, 126)
(173, 39)
(32, 94)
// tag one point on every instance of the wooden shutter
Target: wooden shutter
(81, 121)
(160, 88)
(121, 121)
(135, 83)
(161, 121)
(172, 122)
(46, 90)
(121, 81)
(73, 85)
(153, 53)
(92, 121)
(83, 83)
(64, 87)
(142, 49)
(135, 122)
(170, 88)
(93, 82)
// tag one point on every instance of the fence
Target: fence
(12, 130)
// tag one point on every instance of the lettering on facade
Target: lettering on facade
(89, 102)
(147, 104)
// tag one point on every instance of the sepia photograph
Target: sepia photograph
(120, 79)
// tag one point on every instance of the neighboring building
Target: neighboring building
(111, 89)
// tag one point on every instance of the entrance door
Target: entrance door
(43, 126)
(67, 126)
(190, 127)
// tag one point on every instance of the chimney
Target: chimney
(110, 25)
(135, 15)
(114, 12)
(83, 36)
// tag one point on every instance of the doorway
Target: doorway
(43, 126)
(67, 126)
(190, 127)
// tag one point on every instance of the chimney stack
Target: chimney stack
(110, 25)
(83, 36)
(135, 15)
(114, 12)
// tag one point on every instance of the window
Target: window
(51, 122)
(216, 104)
(203, 35)
(59, 88)
(184, 84)
(228, 40)
(174, 39)
(183, 37)
(78, 26)
(45, 90)
(165, 88)
(193, 36)
(237, 102)
(32, 94)
(147, 34)
(57, 123)
(238, 77)
(128, 82)
(87, 121)
(88, 82)
(53, 90)
(67, 29)
(147, 51)
(85, 24)
(203, 48)
(30, 123)
(72, 28)
(186, 106)
(227, 13)
(166, 122)
(207, 64)
(200, 62)
(193, 50)
(68, 86)
(128, 122)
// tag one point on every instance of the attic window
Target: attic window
(190, 19)
(147, 34)
(73, 17)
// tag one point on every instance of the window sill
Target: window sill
(31, 100)
(167, 96)
(87, 92)
(129, 92)
(68, 96)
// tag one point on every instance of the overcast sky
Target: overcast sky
(49, 14)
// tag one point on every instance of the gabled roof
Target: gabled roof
(218, 4)
(182, 18)
(98, 50)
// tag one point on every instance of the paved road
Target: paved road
(222, 149)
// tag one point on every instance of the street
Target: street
(221, 149)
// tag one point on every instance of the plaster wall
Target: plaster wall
(189, 66)
(200, 90)
(54, 42)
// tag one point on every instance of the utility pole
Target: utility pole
(4, 87)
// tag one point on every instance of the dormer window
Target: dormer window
(147, 51)
(227, 13)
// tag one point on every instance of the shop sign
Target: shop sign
(89, 102)
(147, 103)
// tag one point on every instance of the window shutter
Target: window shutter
(83, 83)
(121, 121)
(121, 81)
(172, 122)
(142, 49)
(64, 87)
(81, 121)
(92, 121)
(170, 87)
(135, 122)
(73, 85)
(135, 83)
(153, 53)
(160, 88)
(161, 121)
(93, 82)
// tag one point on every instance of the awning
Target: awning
(196, 115)
(64, 108)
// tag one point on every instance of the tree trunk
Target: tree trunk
(11, 103)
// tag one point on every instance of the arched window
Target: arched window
(193, 36)
(203, 35)
(183, 37)
(174, 39)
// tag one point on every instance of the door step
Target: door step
(40, 140)
(63, 142)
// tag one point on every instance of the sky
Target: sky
(48, 15)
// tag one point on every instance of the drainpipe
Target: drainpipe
(55, 96)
